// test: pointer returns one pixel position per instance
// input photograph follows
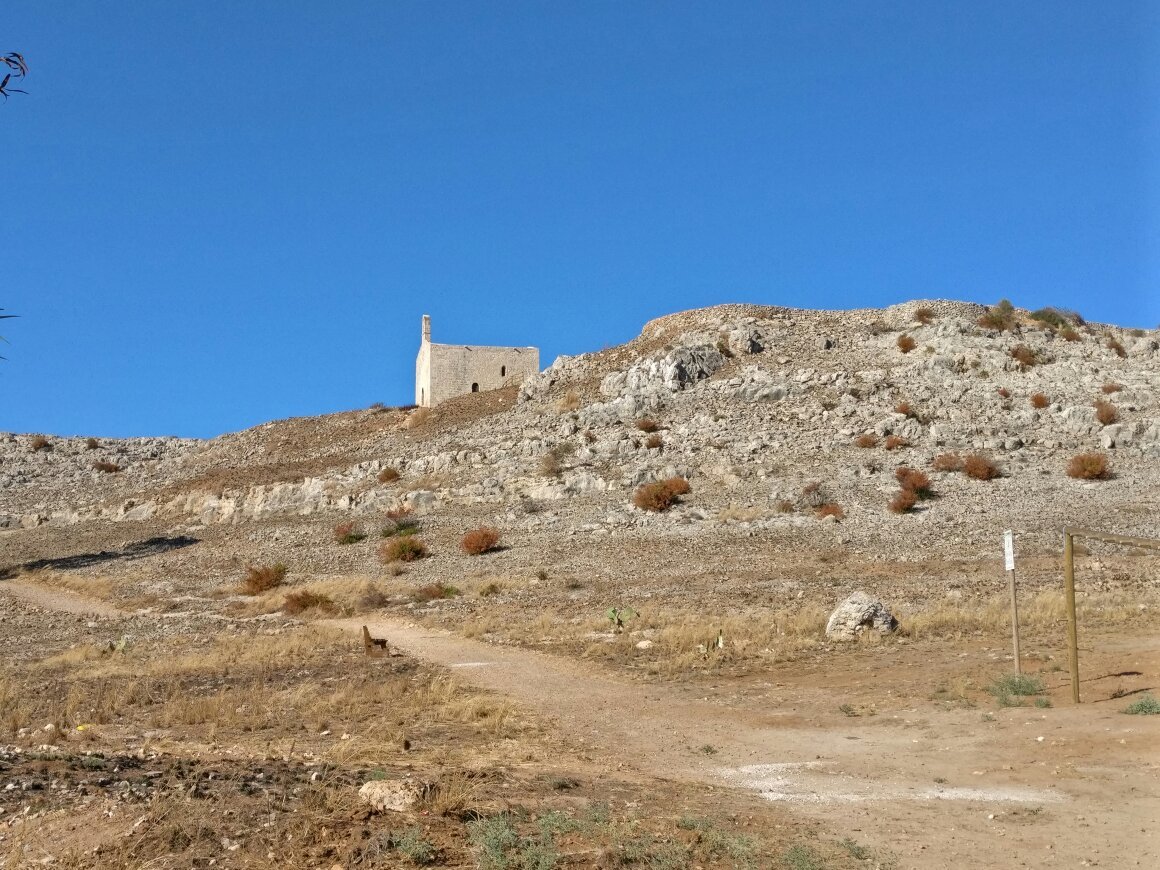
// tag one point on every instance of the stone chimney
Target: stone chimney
(427, 328)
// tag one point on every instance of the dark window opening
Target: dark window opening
(475, 388)
(502, 371)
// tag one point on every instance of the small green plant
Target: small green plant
(857, 852)
(801, 858)
(1042, 703)
(411, 843)
(1000, 317)
(501, 846)
(348, 533)
(848, 709)
(1145, 705)
(708, 749)
(1008, 688)
(618, 615)
(399, 528)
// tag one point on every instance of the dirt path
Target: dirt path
(936, 790)
(60, 600)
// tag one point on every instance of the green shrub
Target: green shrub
(406, 548)
(1145, 705)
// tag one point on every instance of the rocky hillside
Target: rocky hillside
(769, 413)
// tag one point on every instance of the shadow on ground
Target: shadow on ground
(135, 550)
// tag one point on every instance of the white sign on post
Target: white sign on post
(1009, 550)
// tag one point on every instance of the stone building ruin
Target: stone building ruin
(443, 371)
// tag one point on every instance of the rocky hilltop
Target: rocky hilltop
(769, 413)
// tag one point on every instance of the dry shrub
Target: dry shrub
(435, 592)
(1106, 412)
(106, 467)
(1069, 334)
(980, 467)
(903, 502)
(38, 443)
(417, 418)
(388, 475)
(407, 548)
(923, 315)
(915, 481)
(348, 533)
(1039, 401)
(906, 344)
(1004, 393)
(1110, 387)
(830, 509)
(895, 442)
(589, 436)
(1089, 466)
(947, 462)
(299, 602)
(867, 440)
(480, 541)
(904, 409)
(1114, 345)
(1025, 356)
(647, 424)
(661, 495)
(399, 513)
(1000, 317)
(550, 465)
(784, 506)
(92, 444)
(654, 442)
(261, 578)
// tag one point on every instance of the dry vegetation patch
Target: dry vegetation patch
(480, 541)
(261, 578)
(1089, 466)
(661, 495)
(979, 467)
(404, 548)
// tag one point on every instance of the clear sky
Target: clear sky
(220, 213)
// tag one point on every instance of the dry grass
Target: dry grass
(1069, 334)
(1116, 347)
(38, 443)
(735, 514)
(106, 467)
(304, 600)
(550, 465)
(1110, 387)
(406, 548)
(262, 578)
(655, 441)
(903, 502)
(947, 462)
(480, 541)
(1106, 412)
(661, 495)
(92, 444)
(647, 424)
(388, 475)
(1025, 356)
(569, 402)
(905, 343)
(923, 315)
(435, 592)
(895, 442)
(418, 418)
(784, 506)
(865, 440)
(1000, 317)
(904, 409)
(348, 533)
(1089, 466)
(1039, 401)
(979, 467)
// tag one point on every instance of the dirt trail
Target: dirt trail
(891, 781)
(60, 600)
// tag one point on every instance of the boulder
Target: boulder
(860, 612)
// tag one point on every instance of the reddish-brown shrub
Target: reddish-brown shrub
(479, 541)
(299, 602)
(1069, 334)
(1024, 355)
(1039, 401)
(348, 533)
(906, 344)
(654, 442)
(661, 495)
(947, 462)
(904, 409)
(106, 467)
(388, 475)
(1106, 412)
(1001, 316)
(435, 592)
(1004, 393)
(399, 513)
(895, 442)
(914, 480)
(923, 315)
(1089, 466)
(869, 439)
(38, 443)
(407, 548)
(1110, 388)
(92, 444)
(980, 467)
(1118, 348)
(260, 578)
(647, 424)
(903, 502)
(830, 509)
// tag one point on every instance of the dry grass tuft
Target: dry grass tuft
(569, 402)
(830, 509)
(647, 424)
(408, 548)
(915, 481)
(655, 441)
(92, 444)
(923, 315)
(480, 541)
(435, 592)
(261, 578)
(895, 442)
(417, 418)
(1106, 412)
(1039, 401)
(301, 601)
(904, 409)
(1025, 356)
(905, 343)
(348, 533)
(1069, 334)
(388, 475)
(38, 443)
(903, 502)
(1114, 345)
(661, 495)
(869, 439)
(1089, 466)
(1110, 387)
(980, 467)
(784, 506)
(1000, 317)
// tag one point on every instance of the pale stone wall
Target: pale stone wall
(446, 370)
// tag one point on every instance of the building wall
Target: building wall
(446, 370)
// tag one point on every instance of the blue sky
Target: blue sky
(216, 214)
